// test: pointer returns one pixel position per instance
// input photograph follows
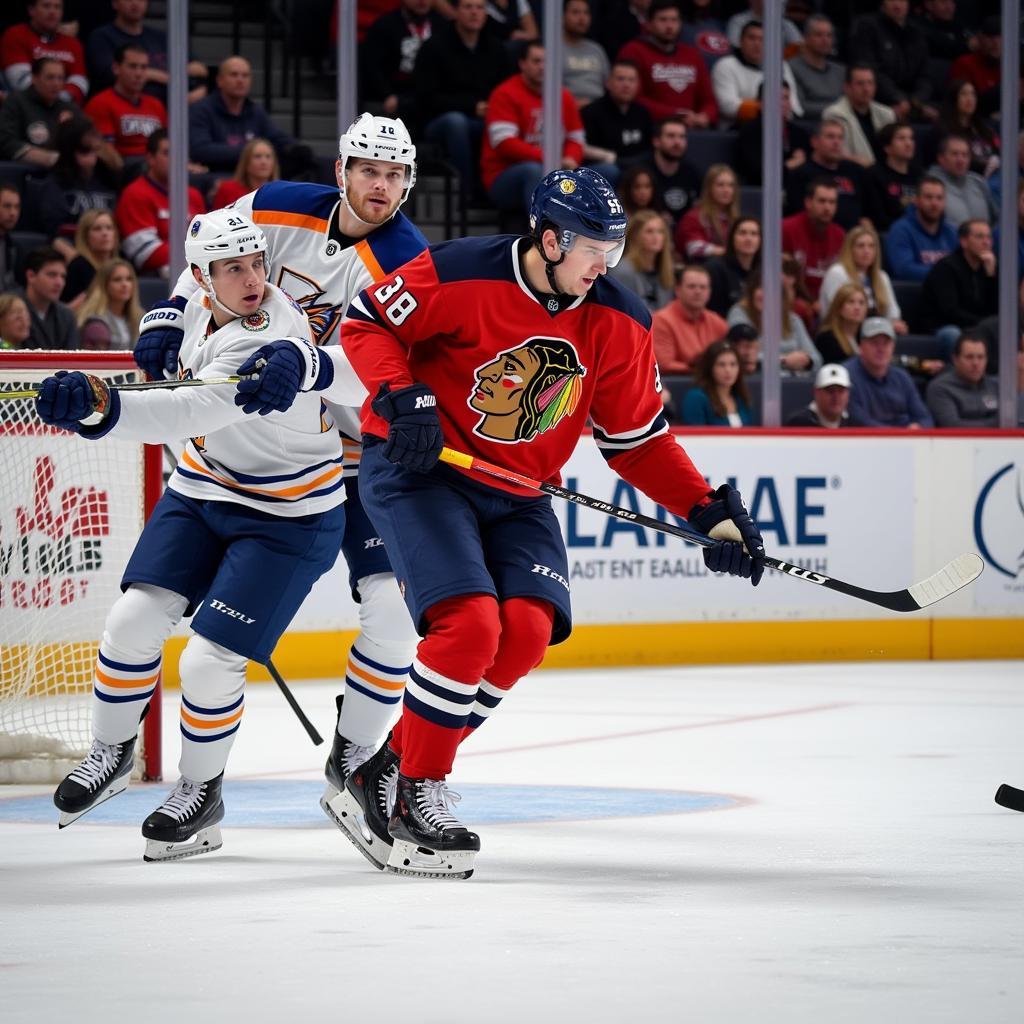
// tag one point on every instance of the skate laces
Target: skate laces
(353, 755)
(186, 798)
(435, 801)
(99, 762)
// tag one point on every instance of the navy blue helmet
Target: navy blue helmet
(579, 202)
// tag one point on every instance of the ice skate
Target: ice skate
(362, 808)
(186, 824)
(104, 773)
(429, 842)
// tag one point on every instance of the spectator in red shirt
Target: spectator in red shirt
(704, 230)
(511, 158)
(674, 80)
(981, 68)
(143, 211)
(812, 236)
(39, 37)
(123, 114)
(256, 166)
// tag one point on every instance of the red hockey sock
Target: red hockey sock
(461, 641)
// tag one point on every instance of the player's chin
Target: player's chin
(584, 285)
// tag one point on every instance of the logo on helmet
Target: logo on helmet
(567, 186)
(196, 225)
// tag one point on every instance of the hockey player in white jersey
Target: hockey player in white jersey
(251, 518)
(325, 245)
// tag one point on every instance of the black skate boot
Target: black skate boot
(186, 823)
(362, 809)
(104, 773)
(429, 842)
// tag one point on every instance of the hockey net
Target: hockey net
(70, 513)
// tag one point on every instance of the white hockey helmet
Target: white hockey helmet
(221, 235)
(379, 138)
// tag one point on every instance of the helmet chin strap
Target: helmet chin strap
(549, 269)
(211, 291)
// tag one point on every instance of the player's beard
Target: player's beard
(369, 212)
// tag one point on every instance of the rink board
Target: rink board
(881, 511)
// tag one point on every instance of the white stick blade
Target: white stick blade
(948, 580)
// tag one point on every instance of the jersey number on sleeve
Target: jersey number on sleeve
(398, 304)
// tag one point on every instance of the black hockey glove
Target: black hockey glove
(740, 549)
(74, 401)
(414, 435)
(160, 337)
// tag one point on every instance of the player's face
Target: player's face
(374, 188)
(500, 384)
(584, 263)
(239, 282)
(100, 237)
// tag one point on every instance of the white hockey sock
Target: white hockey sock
(128, 662)
(488, 697)
(212, 701)
(378, 662)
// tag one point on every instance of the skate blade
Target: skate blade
(115, 787)
(344, 810)
(206, 840)
(419, 862)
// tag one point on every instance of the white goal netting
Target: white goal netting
(70, 513)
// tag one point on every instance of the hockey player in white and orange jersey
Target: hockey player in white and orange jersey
(325, 245)
(251, 518)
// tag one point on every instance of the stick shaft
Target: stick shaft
(149, 385)
(294, 704)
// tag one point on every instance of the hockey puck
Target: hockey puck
(1007, 796)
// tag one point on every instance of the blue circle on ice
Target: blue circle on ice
(292, 803)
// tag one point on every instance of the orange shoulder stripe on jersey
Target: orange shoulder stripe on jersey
(291, 220)
(288, 492)
(202, 723)
(384, 684)
(125, 684)
(365, 253)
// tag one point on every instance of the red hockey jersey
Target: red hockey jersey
(143, 217)
(516, 381)
(514, 128)
(20, 46)
(125, 124)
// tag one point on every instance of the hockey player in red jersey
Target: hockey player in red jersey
(500, 347)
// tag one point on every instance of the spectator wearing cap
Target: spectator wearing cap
(894, 178)
(981, 68)
(962, 289)
(616, 122)
(40, 36)
(737, 79)
(963, 395)
(812, 236)
(685, 328)
(967, 195)
(29, 119)
(819, 80)
(585, 65)
(899, 54)
(829, 408)
(674, 80)
(53, 323)
(883, 395)
(922, 236)
(861, 116)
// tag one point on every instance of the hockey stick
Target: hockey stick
(949, 579)
(148, 385)
(275, 675)
(1008, 796)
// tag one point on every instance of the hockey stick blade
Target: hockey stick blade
(949, 579)
(1008, 796)
(148, 385)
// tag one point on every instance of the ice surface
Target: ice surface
(812, 844)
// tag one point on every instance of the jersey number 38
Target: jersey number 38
(398, 304)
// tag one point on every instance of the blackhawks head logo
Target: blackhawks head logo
(527, 390)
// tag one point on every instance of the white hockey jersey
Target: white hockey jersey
(288, 464)
(320, 268)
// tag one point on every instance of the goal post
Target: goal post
(71, 511)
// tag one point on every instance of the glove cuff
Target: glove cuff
(164, 315)
(412, 398)
(318, 374)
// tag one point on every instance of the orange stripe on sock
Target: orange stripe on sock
(200, 723)
(384, 684)
(125, 684)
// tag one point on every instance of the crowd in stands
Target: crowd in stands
(895, 155)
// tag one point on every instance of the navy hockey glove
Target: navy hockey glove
(73, 401)
(414, 435)
(161, 332)
(740, 549)
(277, 372)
